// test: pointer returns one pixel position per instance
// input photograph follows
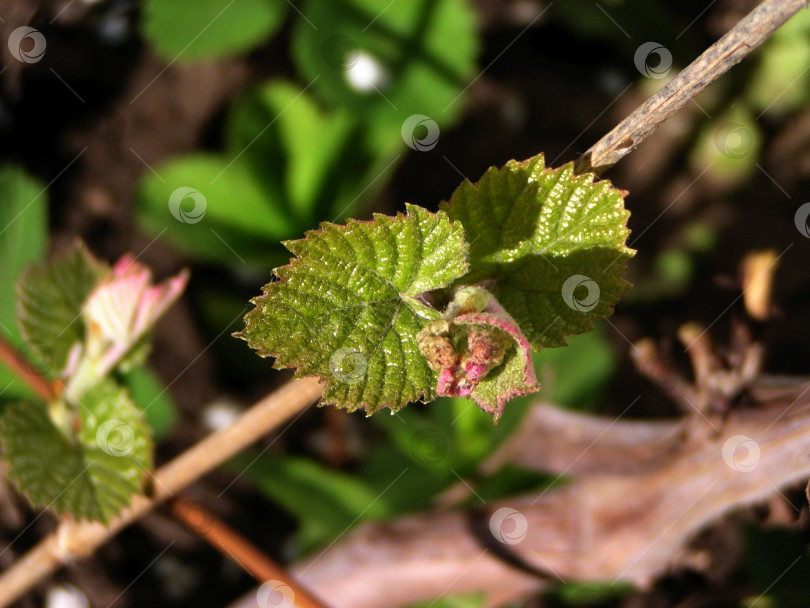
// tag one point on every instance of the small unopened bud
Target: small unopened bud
(447, 382)
(436, 345)
(487, 345)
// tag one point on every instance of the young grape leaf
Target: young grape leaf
(195, 30)
(49, 302)
(348, 308)
(551, 243)
(92, 476)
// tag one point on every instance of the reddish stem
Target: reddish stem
(18, 363)
(236, 547)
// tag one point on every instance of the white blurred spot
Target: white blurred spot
(220, 414)
(366, 73)
(65, 596)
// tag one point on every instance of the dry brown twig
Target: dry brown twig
(564, 542)
(240, 550)
(747, 35)
(640, 492)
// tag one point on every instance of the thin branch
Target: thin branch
(237, 548)
(747, 35)
(19, 365)
(74, 539)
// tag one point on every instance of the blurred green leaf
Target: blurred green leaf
(576, 376)
(213, 209)
(729, 145)
(700, 236)
(151, 396)
(511, 481)
(781, 81)
(91, 476)
(317, 164)
(675, 266)
(23, 240)
(589, 594)
(453, 601)
(193, 30)
(50, 300)
(388, 60)
(286, 166)
(324, 501)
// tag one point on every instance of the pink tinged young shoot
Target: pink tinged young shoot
(124, 306)
(471, 342)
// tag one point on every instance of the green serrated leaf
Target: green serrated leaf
(348, 310)
(552, 243)
(189, 30)
(49, 302)
(23, 240)
(92, 475)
